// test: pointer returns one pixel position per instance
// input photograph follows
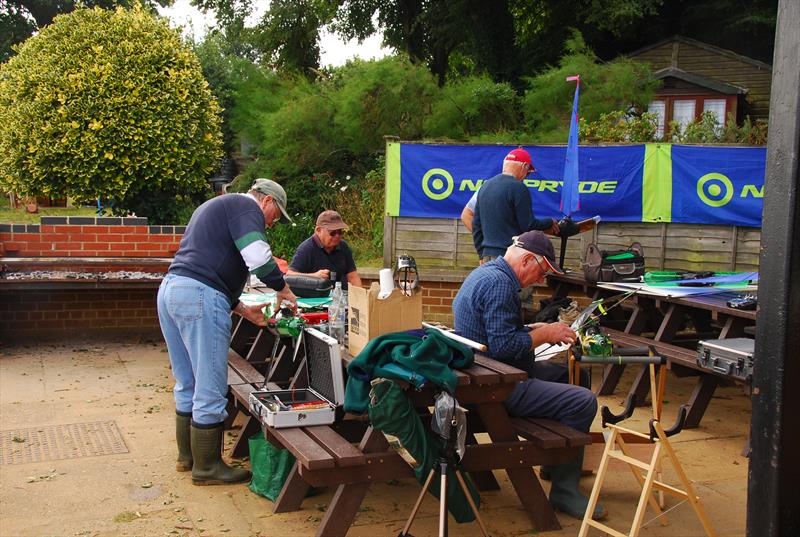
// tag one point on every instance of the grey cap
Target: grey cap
(269, 187)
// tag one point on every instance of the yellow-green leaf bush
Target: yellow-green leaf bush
(108, 104)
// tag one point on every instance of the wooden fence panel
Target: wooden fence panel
(445, 243)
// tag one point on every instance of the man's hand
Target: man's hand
(554, 230)
(323, 273)
(287, 294)
(553, 333)
(253, 313)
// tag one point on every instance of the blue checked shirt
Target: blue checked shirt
(488, 310)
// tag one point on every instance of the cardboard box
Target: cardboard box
(369, 317)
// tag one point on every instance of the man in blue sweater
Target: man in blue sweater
(223, 243)
(503, 208)
(487, 309)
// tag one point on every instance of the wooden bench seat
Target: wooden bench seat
(673, 353)
(550, 434)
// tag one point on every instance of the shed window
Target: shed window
(683, 112)
(716, 107)
(659, 108)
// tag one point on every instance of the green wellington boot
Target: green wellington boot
(208, 467)
(183, 424)
(564, 493)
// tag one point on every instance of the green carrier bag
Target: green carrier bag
(271, 467)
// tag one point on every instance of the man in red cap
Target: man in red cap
(325, 254)
(505, 204)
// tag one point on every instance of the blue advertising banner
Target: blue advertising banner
(631, 183)
(718, 185)
(438, 180)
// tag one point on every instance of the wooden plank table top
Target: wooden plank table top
(665, 316)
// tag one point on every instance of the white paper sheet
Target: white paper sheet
(546, 351)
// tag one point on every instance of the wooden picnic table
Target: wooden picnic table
(658, 320)
(350, 454)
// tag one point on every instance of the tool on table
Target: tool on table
(406, 274)
(567, 227)
(745, 302)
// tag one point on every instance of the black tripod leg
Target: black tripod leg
(471, 502)
(407, 527)
(443, 499)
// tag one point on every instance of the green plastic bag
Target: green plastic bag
(270, 465)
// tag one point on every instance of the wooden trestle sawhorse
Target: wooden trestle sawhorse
(617, 448)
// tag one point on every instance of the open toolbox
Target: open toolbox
(315, 405)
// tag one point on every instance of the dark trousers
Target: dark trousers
(548, 395)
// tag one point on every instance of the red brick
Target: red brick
(110, 237)
(131, 229)
(94, 230)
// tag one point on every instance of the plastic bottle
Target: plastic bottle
(336, 313)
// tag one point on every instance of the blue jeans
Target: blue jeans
(196, 322)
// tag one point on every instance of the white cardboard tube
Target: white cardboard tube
(387, 283)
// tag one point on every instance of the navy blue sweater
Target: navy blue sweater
(223, 241)
(503, 211)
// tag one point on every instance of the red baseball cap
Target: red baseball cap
(519, 155)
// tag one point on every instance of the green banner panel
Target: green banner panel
(657, 183)
(393, 178)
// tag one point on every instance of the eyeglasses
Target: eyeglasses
(335, 232)
(545, 268)
(531, 168)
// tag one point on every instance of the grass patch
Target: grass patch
(9, 215)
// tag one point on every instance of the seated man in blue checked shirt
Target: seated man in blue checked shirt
(488, 310)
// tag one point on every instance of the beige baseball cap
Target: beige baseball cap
(269, 187)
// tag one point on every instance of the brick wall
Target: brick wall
(47, 309)
(36, 314)
(101, 244)
(82, 236)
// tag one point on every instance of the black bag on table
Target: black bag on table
(613, 265)
(309, 286)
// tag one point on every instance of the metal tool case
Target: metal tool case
(731, 357)
(284, 408)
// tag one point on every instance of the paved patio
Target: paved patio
(121, 481)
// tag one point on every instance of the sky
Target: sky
(333, 51)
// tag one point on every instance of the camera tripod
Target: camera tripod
(448, 459)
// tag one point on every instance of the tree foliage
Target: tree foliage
(605, 87)
(107, 104)
(473, 106)
(19, 19)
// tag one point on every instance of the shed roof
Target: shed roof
(706, 46)
(700, 80)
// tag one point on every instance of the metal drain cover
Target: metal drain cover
(58, 442)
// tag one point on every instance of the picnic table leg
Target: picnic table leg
(345, 503)
(673, 321)
(641, 385)
(733, 327)
(293, 492)
(698, 402)
(250, 427)
(529, 490)
(230, 408)
(611, 375)
(483, 480)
